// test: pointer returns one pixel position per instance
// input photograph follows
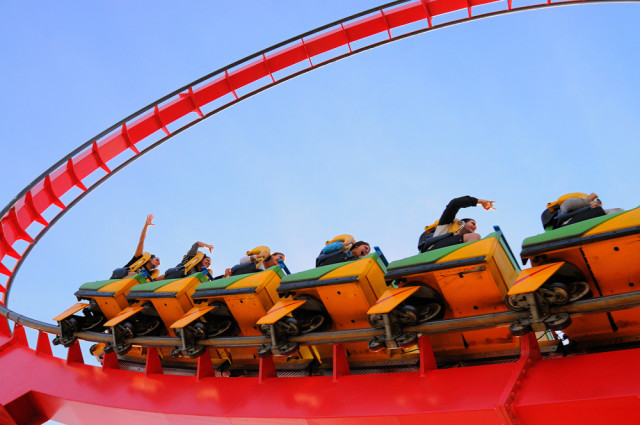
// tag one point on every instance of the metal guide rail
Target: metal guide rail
(596, 305)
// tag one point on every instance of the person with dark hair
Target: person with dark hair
(181, 271)
(342, 248)
(256, 260)
(141, 262)
(573, 208)
(448, 230)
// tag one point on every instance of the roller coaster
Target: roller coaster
(458, 334)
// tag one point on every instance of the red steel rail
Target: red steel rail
(598, 388)
(158, 122)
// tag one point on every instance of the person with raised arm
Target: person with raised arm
(141, 262)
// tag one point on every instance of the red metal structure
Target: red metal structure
(35, 386)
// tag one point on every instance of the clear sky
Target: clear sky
(518, 109)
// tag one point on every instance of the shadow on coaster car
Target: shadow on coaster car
(107, 299)
(595, 257)
(154, 304)
(462, 280)
(230, 306)
(330, 297)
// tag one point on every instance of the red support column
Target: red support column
(43, 346)
(110, 361)
(427, 359)
(529, 355)
(340, 363)
(19, 335)
(205, 368)
(74, 355)
(153, 366)
(267, 369)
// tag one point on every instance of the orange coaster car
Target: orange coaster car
(331, 297)
(595, 257)
(462, 280)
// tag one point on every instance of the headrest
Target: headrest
(552, 206)
(345, 239)
(264, 251)
(141, 261)
(193, 261)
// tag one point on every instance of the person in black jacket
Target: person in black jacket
(451, 231)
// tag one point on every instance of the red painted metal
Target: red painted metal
(586, 389)
(35, 386)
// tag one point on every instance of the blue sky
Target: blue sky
(518, 109)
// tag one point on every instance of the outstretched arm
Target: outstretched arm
(449, 213)
(194, 248)
(143, 235)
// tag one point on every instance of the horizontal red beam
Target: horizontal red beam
(586, 389)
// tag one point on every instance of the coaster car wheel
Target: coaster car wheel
(196, 351)
(430, 311)
(578, 291)
(218, 327)
(314, 322)
(377, 344)
(407, 340)
(148, 327)
(69, 326)
(406, 314)
(519, 329)
(288, 349)
(93, 323)
(265, 330)
(289, 326)
(264, 351)
(514, 302)
(427, 301)
(557, 322)
(556, 293)
(376, 320)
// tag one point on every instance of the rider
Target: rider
(448, 230)
(149, 266)
(573, 208)
(180, 270)
(342, 248)
(258, 259)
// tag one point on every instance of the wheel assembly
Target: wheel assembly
(519, 329)
(555, 293)
(430, 311)
(406, 314)
(516, 302)
(377, 344)
(407, 340)
(376, 320)
(579, 290)
(557, 322)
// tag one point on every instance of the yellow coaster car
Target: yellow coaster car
(463, 280)
(331, 297)
(595, 257)
(106, 300)
(153, 304)
(228, 306)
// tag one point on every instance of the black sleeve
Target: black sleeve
(454, 206)
(133, 260)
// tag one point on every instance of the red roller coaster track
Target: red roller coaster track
(37, 386)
